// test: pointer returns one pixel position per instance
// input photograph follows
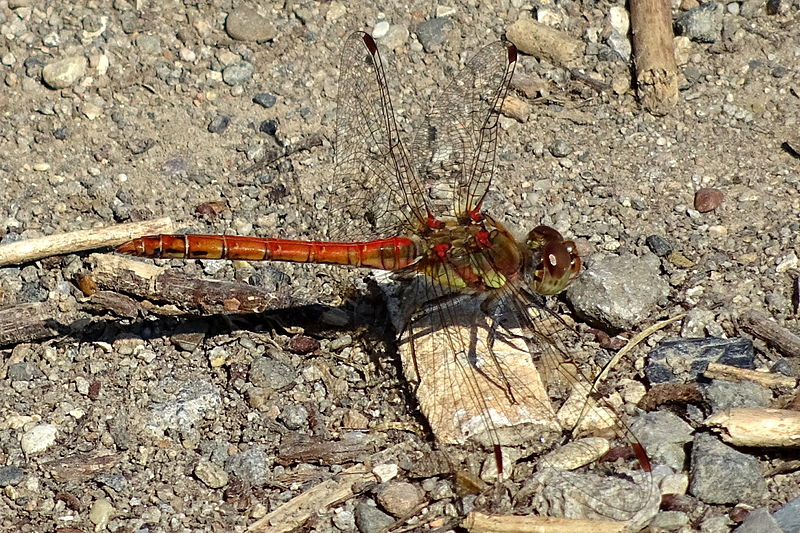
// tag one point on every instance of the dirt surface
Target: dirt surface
(196, 423)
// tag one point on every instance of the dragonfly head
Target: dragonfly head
(557, 261)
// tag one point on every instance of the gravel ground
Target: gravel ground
(122, 111)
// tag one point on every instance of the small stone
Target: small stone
(11, 476)
(247, 23)
(658, 245)
(303, 344)
(722, 475)
(669, 521)
(294, 416)
(788, 516)
(100, 513)
(432, 33)
(62, 74)
(370, 519)
(385, 471)
(213, 475)
(618, 19)
(38, 439)
(395, 37)
(265, 100)
(237, 73)
(577, 453)
(680, 260)
(399, 498)
(149, 44)
(706, 200)
(702, 23)
(380, 29)
(271, 374)
(560, 149)
(269, 126)
(250, 465)
(219, 124)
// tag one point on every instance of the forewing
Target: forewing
(374, 192)
(455, 146)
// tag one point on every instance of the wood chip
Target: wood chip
(544, 42)
(477, 522)
(757, 427)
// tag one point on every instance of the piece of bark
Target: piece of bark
(734, 373)
(477, 522)
(766, 329)
(544, 42)
(464, 392)
(27, 323)
(78, 241)
(187, 294)
(654, 56)
(670, 393)
(774, 428)
(516, 108)
(80, 467)
(294, 513)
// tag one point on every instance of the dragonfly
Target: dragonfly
(418, 210)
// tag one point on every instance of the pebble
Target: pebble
(432, 33)
(188, 403)
(149, 44)
(38, 438)
(100, 513)
(788, 516)
(702, 23)
(664, 435)
(294, 416)
(684, 360)
(250, 465)
(706, 200)
(722, 395)
(722, 475)
(269, 126)
(399, 498)
(64, 73)
(370, 519)
(395, 37)
(265, 100)
(760, 521)
(658, 245)
(213, 475)
(618, 19)
(247, 23)
(669, 521)
(271, 374)
(560, 149)
(219, 124)
(344, 520)
(609, 291)
(303, 344)
(380, 30)
(11, 476)
(386, 471)
(237, 73)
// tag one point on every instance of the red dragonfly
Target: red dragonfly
(418, 211)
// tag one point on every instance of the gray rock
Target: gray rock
(658, 245)
(620, 44)
(24, 371)
(728, 395)
(294, 416)
(11, 476)
(760, 521)
(395, 37)
(64, 73)
(669, 521)
(664, 436)
(237, 73)
(370, 519)
(399, 498)
(432, 33)
(213, 475)
(617, 291)
(219, 124)
(267, 372)
(247, 23)
(788, 516)
(702, 23)
(265, 100)
(38, 438)
(183, 408)
(683, 360)
(722, 475)
(560, 149)
(251, 465)
(149, 44)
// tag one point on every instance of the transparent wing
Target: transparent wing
(455, 146)
(374, 191)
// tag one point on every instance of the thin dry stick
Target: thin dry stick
(776, 428)
(638, 338)
(77, 241)
(654, 57)
(734, 373)
(766, 329)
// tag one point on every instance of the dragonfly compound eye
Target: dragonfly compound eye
(558, 262)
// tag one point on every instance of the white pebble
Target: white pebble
(38, 438)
